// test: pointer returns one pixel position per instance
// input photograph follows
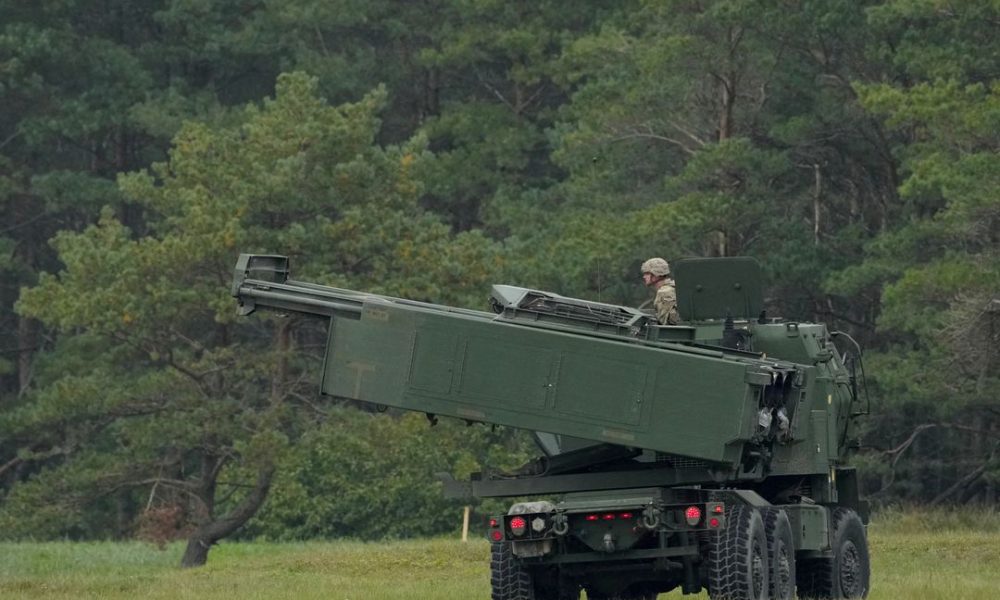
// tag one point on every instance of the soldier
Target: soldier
(656, 274)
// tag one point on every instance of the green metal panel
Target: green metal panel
(810, 526)
(716, 288)
(820, 439)
(504, 371)
(433, 362)
(496, 372)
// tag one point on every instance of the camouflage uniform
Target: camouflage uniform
(665, 304)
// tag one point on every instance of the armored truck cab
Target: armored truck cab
(707, 455)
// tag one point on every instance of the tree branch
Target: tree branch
(499, 96)
(968, 480)
(687, 132)
(897, 453)
(10, 464)
(653, 136)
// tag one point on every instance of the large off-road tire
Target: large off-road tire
(508, 579)
(845, 574)
(737, 557)
(511, 581)
(780, 554)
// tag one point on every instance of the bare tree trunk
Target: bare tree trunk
(817, 193)
(728, 84)
(210, 532)
(282, 343)
(432, 91)
(962, 484)
(726, 114)
(27, 329)
(26, 340)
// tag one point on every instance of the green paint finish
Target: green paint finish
(479, 368)
(744, 398)
(810, 526)
(715, 289)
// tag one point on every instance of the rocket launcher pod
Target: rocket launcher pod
(712, 393)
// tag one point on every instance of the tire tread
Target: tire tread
(508, 579)
(775, 518)
(728, 577)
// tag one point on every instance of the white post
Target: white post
(465, 524)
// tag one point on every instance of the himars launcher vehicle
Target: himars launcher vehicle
(708, 455)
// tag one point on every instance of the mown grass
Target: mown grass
(920, 555)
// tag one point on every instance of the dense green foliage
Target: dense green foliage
(426, 150)
(355, 476)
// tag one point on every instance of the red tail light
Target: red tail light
(692, 515)
(609, 517)
(713, 523)
(493, 523)
(496, 535)
(591, 517)
(518, 525)
(626, 515)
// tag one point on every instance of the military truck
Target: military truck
(706, 455)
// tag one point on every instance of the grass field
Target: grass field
(954, 556)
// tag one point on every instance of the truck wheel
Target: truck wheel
(737, 557)
(780, 554)
(845, 574)
(508, 579)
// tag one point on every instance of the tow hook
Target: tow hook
(560, 525)
(650, 517)
(609, 542)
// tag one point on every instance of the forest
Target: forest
(427, 149)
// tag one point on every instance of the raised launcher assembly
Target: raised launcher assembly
(704, 455)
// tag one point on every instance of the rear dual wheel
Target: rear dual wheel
(780, 554)
(510, 580)
(846, 573)
(738, 562)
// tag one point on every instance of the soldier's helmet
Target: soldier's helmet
(656, 266)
